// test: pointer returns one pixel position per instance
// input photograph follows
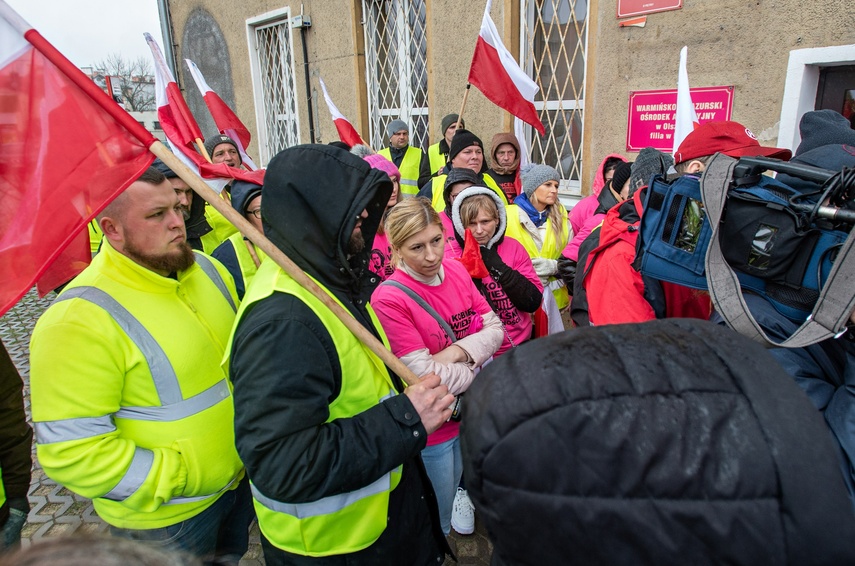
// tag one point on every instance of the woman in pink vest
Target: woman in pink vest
(436, 321)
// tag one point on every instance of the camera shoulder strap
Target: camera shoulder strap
(836, 300)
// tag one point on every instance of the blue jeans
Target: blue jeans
(444, 466)
(217, 535)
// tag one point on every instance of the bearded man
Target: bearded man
(130, 405)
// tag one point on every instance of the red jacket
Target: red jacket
(617, 293)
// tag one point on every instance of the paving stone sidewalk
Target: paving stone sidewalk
(55, 511)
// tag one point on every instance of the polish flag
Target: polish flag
(227, 121)
(685, 119)
(498, 76)
(68, 150)
(346, 132)
(182, 131)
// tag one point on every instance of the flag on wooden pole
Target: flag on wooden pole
(346, 132)
(224, 117)
(68, 150)
(498, 76)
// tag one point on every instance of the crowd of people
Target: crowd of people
(189, 385)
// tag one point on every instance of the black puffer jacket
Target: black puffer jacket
(668, 442)
(286, 370)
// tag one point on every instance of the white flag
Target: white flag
(686, 119)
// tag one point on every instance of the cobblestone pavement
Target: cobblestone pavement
(55, 511)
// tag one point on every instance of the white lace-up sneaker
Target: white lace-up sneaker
(463, 513)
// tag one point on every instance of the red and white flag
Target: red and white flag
(226, 120)
(182, 131)
(685, 118)
(68, 150)
(498, 76)
(346, 132)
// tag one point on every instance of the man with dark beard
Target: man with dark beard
(330, 437)
(130, 404)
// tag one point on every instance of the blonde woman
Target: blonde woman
(539, 222)
(436, 321)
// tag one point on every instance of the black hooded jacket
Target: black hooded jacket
(667, 442)
(286, 370)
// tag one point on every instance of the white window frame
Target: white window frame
(280, 15)
(406, 95)
(800, 88)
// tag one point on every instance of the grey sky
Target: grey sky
(86, 31)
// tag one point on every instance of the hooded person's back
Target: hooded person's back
(669, 442)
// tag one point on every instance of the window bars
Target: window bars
(276, 93)
(396, 68)
(554, 43)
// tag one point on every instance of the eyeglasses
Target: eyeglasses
(256, 213)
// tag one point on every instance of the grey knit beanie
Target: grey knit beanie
(448, 120)
(534, 175)
(650, 162)
(212, 142)
(396, 126)
(824, 127)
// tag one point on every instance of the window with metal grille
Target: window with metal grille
(554, 46)
(396, 70)
(272, 64)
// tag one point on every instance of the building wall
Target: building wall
(741, 43)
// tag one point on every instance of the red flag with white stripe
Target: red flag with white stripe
(226, 120)
(182, 131)
(68, 150)
(346, 132)
(498, 76)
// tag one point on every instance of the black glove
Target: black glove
(493, 262)
(567, 271)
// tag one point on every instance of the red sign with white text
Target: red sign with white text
(652, 113)
(626, 8)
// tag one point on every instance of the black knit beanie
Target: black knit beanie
(462, 139)
(621, 176)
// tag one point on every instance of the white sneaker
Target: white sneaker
(463, 513)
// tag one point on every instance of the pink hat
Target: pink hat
(377, 161)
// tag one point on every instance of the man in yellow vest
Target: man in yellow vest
(200, 234)
(16, 438)
(130, 404)
(466, 152)
(330, 437)
(438, 152)
(411, 161)
(239, 255)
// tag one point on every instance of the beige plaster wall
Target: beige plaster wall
(744, 43)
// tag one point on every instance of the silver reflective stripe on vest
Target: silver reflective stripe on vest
(180, 500)
(409, 182)
(134, 477)
(214, 276)
(165, 380)
(181, 410)
(73, 429)
(173, 405)
(326, 505)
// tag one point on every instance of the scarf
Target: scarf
(537, 218)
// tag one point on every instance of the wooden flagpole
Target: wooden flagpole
(283, 261)
(462, 106)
